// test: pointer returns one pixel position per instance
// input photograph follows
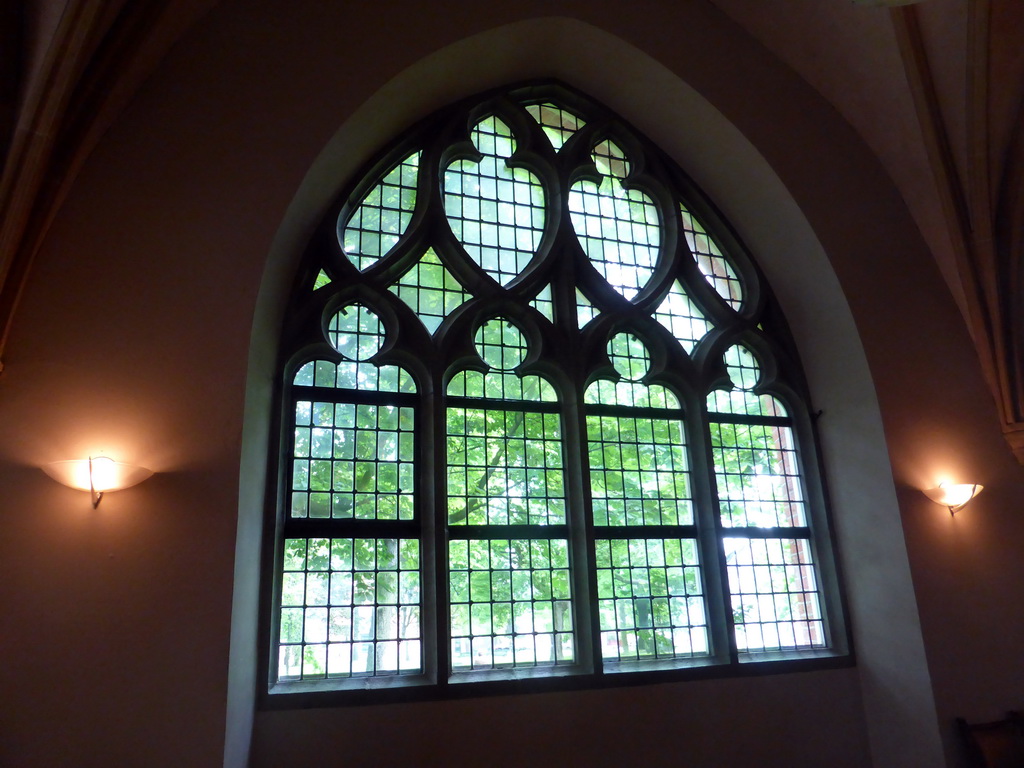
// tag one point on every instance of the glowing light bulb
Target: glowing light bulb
(954, 495)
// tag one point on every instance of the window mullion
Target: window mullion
(709, 525)
(581, 536)
(580, 507)
(434, 506)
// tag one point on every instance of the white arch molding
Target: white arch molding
(895, 686)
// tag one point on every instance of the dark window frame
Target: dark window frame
(304, 336)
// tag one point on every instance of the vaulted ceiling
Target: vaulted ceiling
(934, 88)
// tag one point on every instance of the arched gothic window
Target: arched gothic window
(540, 418)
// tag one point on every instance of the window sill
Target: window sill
(409, 688)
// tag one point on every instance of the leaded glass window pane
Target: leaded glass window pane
(430, 290)
(504, 467)
(741, 399)
(713, 265)
(775, 599)
(511, 603)
(638, 471)
(585, 311)
(378, 223)
(558, 124)
(544, 304)
(757, 475)
(349, 608)
(651, 603)
(496, 211)
(618, 226)
(353, 461)
(530, 425)
(682, 318)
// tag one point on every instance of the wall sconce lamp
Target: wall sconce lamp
(954, 496)
(96, 474)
